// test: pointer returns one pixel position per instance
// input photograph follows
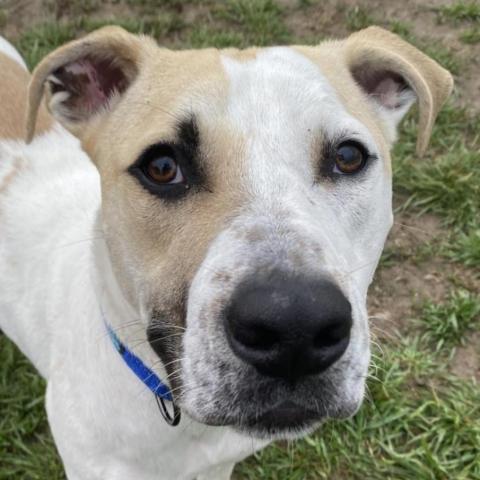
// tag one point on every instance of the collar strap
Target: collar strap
(145, 374)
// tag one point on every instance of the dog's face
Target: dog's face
(246, 201)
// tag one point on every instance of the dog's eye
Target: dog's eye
(163, 170)
(350, 157)
(161, 167)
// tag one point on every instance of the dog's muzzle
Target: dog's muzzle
(279, 352)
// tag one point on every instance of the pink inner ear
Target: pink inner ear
(388, 92)
(90, 82)
(386, 87)
(93, 93)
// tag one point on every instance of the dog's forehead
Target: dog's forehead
(283, 83)
(279, 77)
(283, 96)
(284, 107)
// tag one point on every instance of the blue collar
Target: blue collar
(114, 297)
(145, 374)
(148, 378)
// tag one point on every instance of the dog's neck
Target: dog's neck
(128, 322)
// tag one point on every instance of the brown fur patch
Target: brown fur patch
(13, 101)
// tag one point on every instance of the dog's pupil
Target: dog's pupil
(349, 158)
(162, 169)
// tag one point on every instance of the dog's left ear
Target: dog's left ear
(394, 74)
(85, 77)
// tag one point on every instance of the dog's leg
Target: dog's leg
(222, 472)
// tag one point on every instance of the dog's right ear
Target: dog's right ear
(84, 78)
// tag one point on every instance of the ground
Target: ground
(421, 417)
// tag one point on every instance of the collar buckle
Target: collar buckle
(173, 418)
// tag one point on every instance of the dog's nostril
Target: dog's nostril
(335, 333)
(257, 337)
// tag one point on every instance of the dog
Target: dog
(187, 239)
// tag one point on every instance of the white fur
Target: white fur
(8, 49)
(56, 283)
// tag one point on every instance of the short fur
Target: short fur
(84, 242)
(13, 99)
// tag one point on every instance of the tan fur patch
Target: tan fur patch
(7, 180)
(241, 55)
(168, 249)
(13, 100)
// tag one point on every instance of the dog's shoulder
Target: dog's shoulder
(44, 177)
(49, 202)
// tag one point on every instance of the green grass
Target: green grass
(34, 44)
(461, 11)
(26, 448)
(359, 17)
(419, 421)
(443, 55)
(448, 324)
(450, 186)
(204, 36)
(236, 23)
(260, 21)
(447, 181)
(467, 249)
(471, 35)
(3, 18)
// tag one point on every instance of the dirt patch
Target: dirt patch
(466, 361)
(400, 288)
(413, 277)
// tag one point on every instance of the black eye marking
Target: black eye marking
(344, 158)
(170, 169)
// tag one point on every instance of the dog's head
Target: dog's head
(246, 199)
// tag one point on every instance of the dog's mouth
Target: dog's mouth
(284, 418)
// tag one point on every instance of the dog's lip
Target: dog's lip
(285, 415)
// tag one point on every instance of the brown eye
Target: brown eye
(164, 169)
(350, 158)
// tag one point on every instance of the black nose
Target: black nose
(288, 326)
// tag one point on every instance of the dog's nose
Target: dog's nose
(288, 326)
